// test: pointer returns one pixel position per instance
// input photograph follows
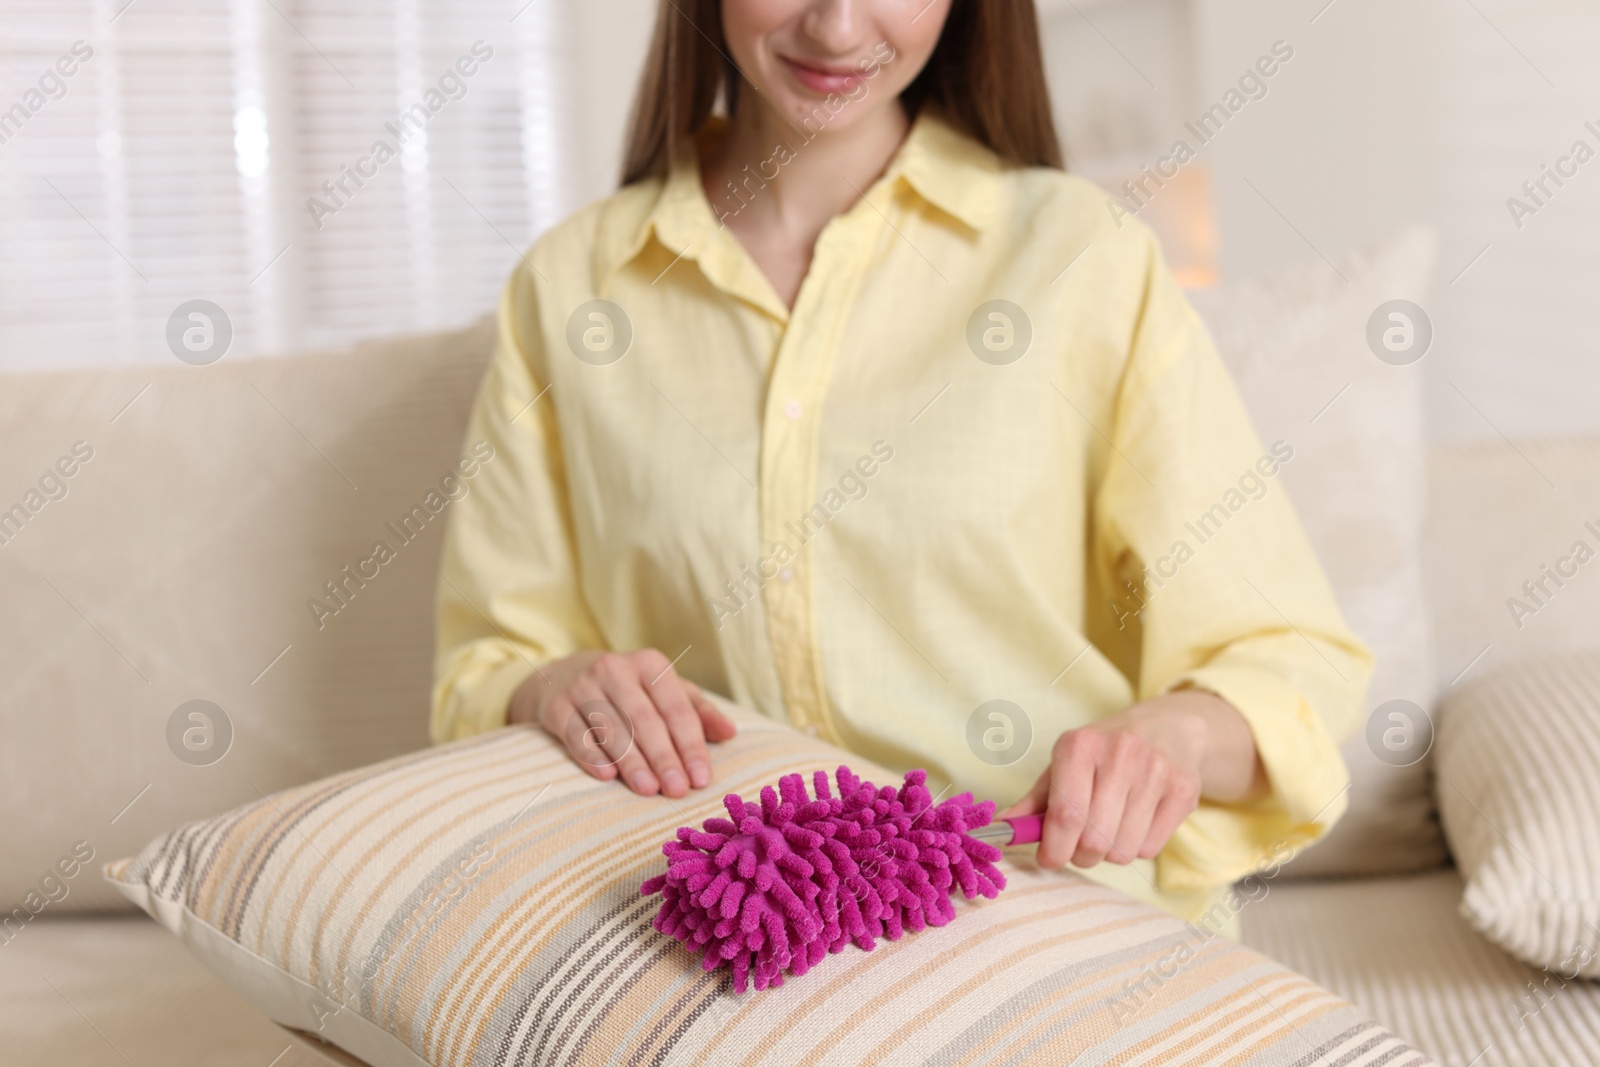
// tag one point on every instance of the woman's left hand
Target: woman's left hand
(1117, 789)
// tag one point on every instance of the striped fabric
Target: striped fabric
(478, 904)
(1518, 794)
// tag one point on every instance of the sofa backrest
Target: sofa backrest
(162, 530)
(1513, 552)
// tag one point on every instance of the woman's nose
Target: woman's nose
(837, 25)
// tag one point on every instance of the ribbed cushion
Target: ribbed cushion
(479, 904)
(1398, 948)
(1519, 793)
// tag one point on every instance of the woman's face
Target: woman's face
(828, 64)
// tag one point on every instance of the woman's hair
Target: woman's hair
(986, 77)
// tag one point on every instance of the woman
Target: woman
(855, 407)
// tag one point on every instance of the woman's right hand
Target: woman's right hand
(626, 713)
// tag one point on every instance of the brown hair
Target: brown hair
(986, 77)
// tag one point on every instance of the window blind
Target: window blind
(321, 170)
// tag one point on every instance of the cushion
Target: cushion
(1518, 792)
(176, 564)
(479, 903)
(1297, 347)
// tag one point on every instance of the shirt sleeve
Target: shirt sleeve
(1210, 567)
(508, 592)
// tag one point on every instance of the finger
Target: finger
(1177, 801)
(1032, 802)
(603, 730)
(1113, 779)
(620, 750)
(684, 727)
(1135, 828)
(581, 735)
(663, 769)
(717, 726)
(1072, 782)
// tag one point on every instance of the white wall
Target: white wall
(1401, 112)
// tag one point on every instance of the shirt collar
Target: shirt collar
(947, 169)
(950, 170)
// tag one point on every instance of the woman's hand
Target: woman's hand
(1118, 789)
(626, 713)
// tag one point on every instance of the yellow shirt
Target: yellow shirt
(879, 512)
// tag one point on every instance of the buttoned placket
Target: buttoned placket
(807, 340)
(790, 441)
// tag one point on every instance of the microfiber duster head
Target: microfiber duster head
(777, 886)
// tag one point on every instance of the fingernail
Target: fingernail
(672, 781)
(642, 781)
(699, 773)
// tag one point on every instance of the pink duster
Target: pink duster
(776, 887)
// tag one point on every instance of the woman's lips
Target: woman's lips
(824, 79)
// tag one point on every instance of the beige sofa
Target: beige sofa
(175, 563)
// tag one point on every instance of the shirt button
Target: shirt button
(785, 574)
(792, 409)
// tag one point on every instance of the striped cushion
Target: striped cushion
(478, 904)
(1518, 793)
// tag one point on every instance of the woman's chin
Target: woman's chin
(814, 115)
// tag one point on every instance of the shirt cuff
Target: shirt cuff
(1220, 843)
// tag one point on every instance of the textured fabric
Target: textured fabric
(1519, 793)
(180, 564)
(479, 904)
(777, 886)
(1398, 948)
(1296, 344)
(847, 518)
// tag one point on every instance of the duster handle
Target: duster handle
(1026, 829)
(1021, 830)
